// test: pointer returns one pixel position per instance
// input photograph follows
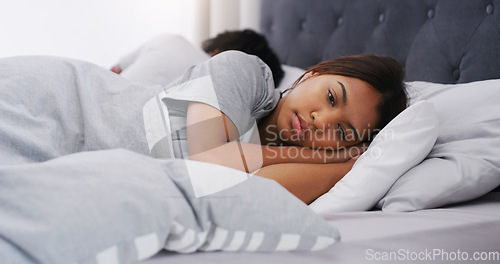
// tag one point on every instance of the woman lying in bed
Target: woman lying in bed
(308, 136)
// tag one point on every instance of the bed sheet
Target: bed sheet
(454, 234)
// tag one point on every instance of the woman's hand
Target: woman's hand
(347, 154)
(342, 155)
(350, 162)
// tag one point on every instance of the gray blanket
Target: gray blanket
(52, 107)
(77, 184)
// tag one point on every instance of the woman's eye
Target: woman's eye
(331, 98)
(341, 132)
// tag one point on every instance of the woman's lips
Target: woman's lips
(299, 126)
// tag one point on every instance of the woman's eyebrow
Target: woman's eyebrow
(344, 96)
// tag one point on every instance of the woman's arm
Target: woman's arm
(212, 137)
(306, 181)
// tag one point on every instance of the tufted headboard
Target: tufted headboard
(443, 41)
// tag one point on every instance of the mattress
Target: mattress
(466, 232)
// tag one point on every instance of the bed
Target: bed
(81, 198)
(438, 42)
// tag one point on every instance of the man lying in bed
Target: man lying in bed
(166, 57)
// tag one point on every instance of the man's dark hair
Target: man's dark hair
(247, 41)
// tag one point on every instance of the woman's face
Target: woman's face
(328, 111)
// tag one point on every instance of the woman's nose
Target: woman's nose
(321, 121)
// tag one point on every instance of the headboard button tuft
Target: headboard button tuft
(430, 13)
(489, 9)
(456, 74)
(381, 18)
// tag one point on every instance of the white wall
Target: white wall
(99, 31)
(233, 15)
(215, 16)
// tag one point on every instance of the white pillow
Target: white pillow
(291, 75)
(398, 147)
(465, 162)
